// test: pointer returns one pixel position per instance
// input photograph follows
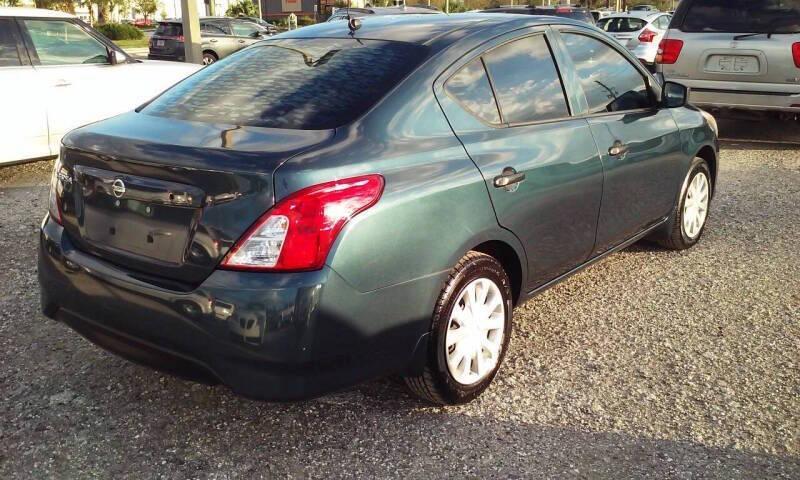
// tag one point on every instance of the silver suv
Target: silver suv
(735, 54)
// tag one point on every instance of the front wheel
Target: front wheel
(691, 212)
(469, 334)
(209, 58)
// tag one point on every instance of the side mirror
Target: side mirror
(256, 34)
(674, 95)
(114, 57)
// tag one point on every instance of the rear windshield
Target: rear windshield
(169, 30)
(621, 24)
(743, 16)
(308, 84)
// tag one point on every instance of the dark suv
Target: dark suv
(220, 36)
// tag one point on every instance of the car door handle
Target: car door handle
(617, 149)
(213, 40)
(62, 83)
(508, 178)
(241, 41)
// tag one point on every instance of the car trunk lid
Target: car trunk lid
(169, 212)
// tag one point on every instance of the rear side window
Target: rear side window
(610, 82)
(742, 16)
(9, 55)
(621, 24)
(245, 29)
(471, 88)
(526, 81)
(309, 84)
(169, 30)
(212, 29)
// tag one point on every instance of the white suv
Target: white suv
(57, 73)
(735, 54)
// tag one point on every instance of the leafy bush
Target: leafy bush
(120, 31)
(242, 8)
(305, 20)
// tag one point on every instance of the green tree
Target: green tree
(146, 7)
(10, 3)
(242, 8)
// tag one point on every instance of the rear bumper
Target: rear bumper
(267, 336)
(743, 96)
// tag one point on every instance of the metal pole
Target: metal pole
(261, 16)
(191, 31)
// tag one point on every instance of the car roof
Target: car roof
(422, 28)
(643, 14)
(32, 12)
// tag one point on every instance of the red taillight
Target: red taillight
(668, 51)
(563, 10)
(298, 232)
(796, 54)
(647, 36)
(180, 38)
(56, 190)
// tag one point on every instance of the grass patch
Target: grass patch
(141, 43)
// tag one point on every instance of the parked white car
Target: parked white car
(639, 31)
(57, 73)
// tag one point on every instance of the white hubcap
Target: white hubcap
(475, 332)
(695, 206)
(207, 60)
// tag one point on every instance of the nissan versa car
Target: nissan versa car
(246, 228)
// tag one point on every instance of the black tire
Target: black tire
(209, 58)
(436, 384)
(673, 236)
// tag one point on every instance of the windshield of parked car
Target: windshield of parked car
(621, 24)
(309, 84)
(743, 16)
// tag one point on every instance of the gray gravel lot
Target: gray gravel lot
(652, 364)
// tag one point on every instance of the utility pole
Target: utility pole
(191, 31)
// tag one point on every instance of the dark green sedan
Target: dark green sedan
(365, 198)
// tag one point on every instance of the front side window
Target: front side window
(526, 81)
(244, 29)
(9, 55)
(309, 84)
(471, 88)
(610, 82)
(59, 42)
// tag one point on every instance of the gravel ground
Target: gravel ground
(652, 364)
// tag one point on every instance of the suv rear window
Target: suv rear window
(621, 24)
(308, 84)
(169, 30)
(742, 16)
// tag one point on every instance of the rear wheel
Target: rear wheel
(209, 58)
(470, 332)
(689, 218)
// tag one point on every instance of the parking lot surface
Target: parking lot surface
(651, 364)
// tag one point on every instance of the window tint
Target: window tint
(307, 84)
(169, 30)
(64, 43)
(621, 24)
(9, 55)
(470, 86)
(244, 29)
(743, 16)
(611, 83)
(526, 81)
(211, 29)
